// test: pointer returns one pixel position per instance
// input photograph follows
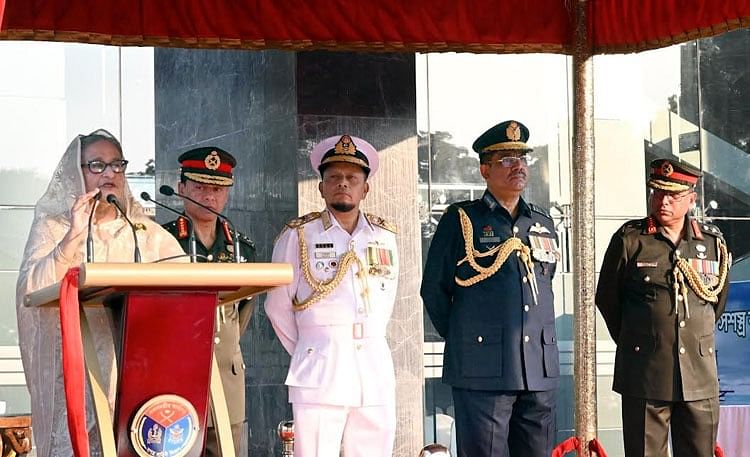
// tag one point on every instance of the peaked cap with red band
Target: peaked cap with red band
(208, 165)
(673, 176)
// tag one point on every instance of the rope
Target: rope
(685, 273)
(321, 289)
(573, 444)
(502, 252)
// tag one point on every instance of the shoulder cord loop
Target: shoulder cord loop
(684, 271)
(502, 252)
(321, 289)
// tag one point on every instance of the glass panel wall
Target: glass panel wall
(54, 92)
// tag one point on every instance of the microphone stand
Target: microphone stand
(169, 191)
(112, 200)
(192, 245)
(89, 235)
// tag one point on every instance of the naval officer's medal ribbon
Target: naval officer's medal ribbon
(379, 260)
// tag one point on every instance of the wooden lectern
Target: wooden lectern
(165, 350)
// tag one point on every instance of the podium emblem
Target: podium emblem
(165, 426)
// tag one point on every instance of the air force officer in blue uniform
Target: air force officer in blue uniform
(487, 287)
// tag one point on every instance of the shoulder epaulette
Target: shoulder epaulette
(539, 210)
(380, 222)
(244, 239)
(636, 224)
(297, 221)
(708, 228)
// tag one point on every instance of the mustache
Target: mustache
(518, 173)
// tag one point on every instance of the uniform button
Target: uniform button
(515, 229)
(677, 252)
(710, 350)
(359, 346)
(310, 350)
(637, 349)
(679, 298)
(217, 340)
(243, 366)
(526, 308)
(526, 339)
(518, 253)
(647, 278)
(525, 279)
(480, 339)
(210, 257)
(682, 350)
(360, 310)
(682, 324)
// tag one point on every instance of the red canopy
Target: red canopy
(393, 25)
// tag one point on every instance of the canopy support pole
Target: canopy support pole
(584, 267)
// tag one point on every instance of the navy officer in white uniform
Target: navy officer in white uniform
(332, 318)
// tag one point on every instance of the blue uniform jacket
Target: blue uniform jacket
(496, 338)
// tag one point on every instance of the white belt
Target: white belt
(357, 330)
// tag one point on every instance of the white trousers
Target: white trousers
(320, 430)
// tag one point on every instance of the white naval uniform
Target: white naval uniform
(341, 363)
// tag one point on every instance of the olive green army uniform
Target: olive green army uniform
(664, 332)
(232, 320)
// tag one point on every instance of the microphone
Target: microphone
(168, 191)
(191, 240)
(112, 200)
(89, 236)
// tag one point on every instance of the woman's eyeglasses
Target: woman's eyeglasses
(97, 166)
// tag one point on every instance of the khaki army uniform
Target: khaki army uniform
(232, 320)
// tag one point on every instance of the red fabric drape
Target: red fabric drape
(74, 375)
(422, 25)
(573, 444)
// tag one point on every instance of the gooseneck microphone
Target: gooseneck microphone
(89, 235)
(168, 191)
(112, 200)
(191, 239)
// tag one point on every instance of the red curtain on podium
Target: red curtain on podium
(394, 25)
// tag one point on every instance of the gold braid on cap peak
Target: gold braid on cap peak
(323, 288)
(502, 252)
(684, 271)
(668, 186)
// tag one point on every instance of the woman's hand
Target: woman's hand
(79, 222)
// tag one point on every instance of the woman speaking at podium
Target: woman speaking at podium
(89, 173)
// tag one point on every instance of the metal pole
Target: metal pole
(583, 230)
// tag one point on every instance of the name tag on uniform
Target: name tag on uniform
(324, 251)
(646, 264)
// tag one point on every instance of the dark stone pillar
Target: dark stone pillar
(244, 102)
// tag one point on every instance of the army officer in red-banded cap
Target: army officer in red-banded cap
(206, 176)
(662, 287)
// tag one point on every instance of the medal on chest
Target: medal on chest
(379, 260)
(543, 244)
